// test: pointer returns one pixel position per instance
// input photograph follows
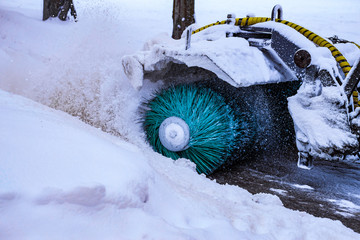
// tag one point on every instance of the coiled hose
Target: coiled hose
(248, 21)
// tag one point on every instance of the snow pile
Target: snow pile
(63, 179)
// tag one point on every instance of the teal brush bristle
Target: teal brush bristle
(213, 127)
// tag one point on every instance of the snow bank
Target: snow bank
(62, 179)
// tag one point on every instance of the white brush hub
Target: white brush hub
(174, 134)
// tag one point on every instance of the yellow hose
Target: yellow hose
(248, 21)
(356, 44)
(207, 26)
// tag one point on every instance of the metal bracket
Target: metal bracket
(277, 8)
(352, 79)
(305, 161)
(188, 38)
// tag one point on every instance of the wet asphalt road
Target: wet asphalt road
(329, 190)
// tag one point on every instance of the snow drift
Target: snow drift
(63, 179)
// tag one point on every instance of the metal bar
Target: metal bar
(188, 38)
(352, 79)
(277, 8)
(258, 35)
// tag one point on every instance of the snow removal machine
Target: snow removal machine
(245, 85)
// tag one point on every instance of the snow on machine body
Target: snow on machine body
(274, 83)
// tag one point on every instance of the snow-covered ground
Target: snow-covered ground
(63, 179)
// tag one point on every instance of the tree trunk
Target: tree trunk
(58, 8)
(183, 16)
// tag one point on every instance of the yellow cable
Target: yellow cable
(356, 44)
(207, 26)
(248, 21)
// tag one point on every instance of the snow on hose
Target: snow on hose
(248, 21)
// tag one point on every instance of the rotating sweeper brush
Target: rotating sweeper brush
(234, 90)
(187, 121)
